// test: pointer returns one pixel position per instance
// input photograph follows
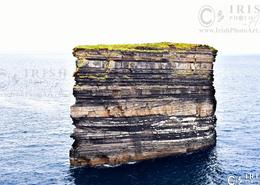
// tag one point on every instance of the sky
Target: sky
(60, 25)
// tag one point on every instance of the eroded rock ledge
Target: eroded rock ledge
(142, 101)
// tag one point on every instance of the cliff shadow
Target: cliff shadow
(198, 168)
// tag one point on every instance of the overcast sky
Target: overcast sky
(59, 25)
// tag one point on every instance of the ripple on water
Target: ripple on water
(35, 129)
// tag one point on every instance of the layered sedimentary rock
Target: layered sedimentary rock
(142, 101)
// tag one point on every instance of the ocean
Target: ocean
(35, 128)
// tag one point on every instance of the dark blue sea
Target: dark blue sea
(35, 128)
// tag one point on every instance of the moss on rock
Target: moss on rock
(147, 47)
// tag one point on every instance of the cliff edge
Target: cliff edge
(142, 101)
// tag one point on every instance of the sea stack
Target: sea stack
(142, 101)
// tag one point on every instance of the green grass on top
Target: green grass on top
(161, 46)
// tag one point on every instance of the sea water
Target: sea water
(35, 128)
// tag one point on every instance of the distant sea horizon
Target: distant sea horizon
(35, 127)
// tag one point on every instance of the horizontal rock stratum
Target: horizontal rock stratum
(142, 101)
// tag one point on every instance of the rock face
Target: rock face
(142, 101)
